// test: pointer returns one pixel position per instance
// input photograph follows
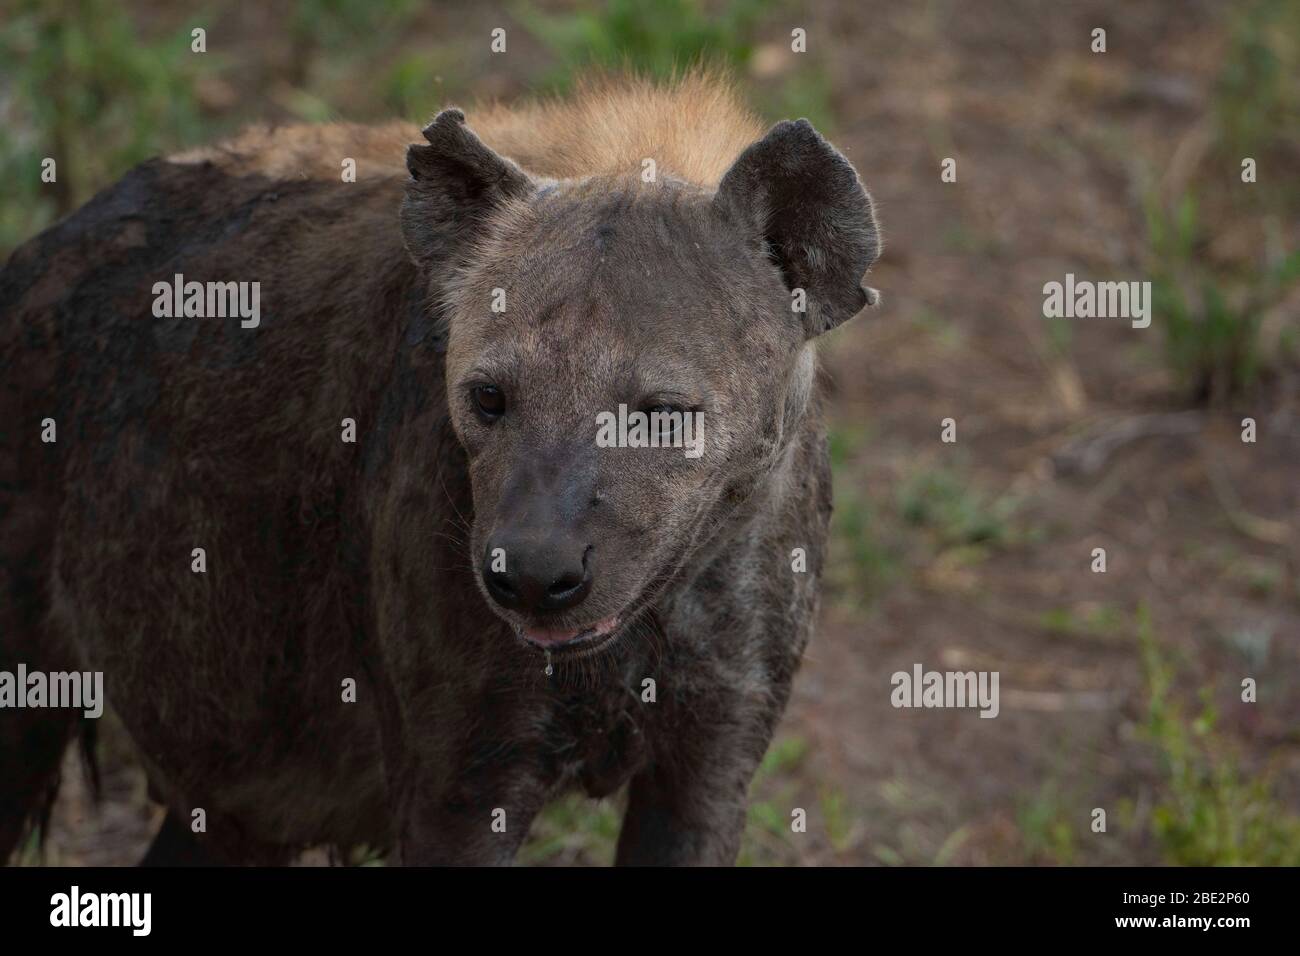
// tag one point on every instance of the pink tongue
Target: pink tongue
(552, 638)
(538, 636)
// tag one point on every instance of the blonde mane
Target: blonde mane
(693, 127)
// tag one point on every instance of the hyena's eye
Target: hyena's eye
(489, 402)
(664, 418)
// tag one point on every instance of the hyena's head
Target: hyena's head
(593, 320)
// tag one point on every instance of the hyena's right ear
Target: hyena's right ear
(455, 182)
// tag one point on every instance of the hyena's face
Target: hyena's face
(626, 360)
(616, 360)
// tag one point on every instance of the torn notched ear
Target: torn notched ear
(804, 199)
(455, 181)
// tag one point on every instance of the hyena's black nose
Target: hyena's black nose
(535, 576)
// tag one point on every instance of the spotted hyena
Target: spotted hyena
(357, 569)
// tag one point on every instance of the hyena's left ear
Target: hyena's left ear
(804, 199)
(456, 181)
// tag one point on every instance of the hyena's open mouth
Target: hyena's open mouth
(562, 644)
(585, 639)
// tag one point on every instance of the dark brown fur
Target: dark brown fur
(329, 560)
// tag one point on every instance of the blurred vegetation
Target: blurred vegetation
(574, 830)
(944, 502)
(1206, 808)
(1098, 621)
(1225, 297)
(85, 90)
(100, 86)
(657, 39)
(1213, 319)
(1257, 102)
(1048, 826)
(1210, 812)
(665, 37)
(936, 522)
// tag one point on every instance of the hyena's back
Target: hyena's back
(173, 434)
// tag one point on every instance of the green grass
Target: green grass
(413, 85)
(91, 94)
(774, 793)
(1257, 98)
(1048, 829)
(859, 564)
(574, 829)
(838, 818)
(803, 94)
(1211, 304)
(954, 511)
(30, 852)
(1211, 313)
(1210, 812)
(661, 38)
(935, 511)
(1095, 621)
(656, 38)
(93, 87)
(946, 333)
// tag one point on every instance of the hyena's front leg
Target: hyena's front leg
(459, 798)
(456, 795)
(475, 822)
(688, 808)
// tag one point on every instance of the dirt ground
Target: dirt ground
(977, 554)
(1044, 135)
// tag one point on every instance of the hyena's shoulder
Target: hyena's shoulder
(302, 151)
